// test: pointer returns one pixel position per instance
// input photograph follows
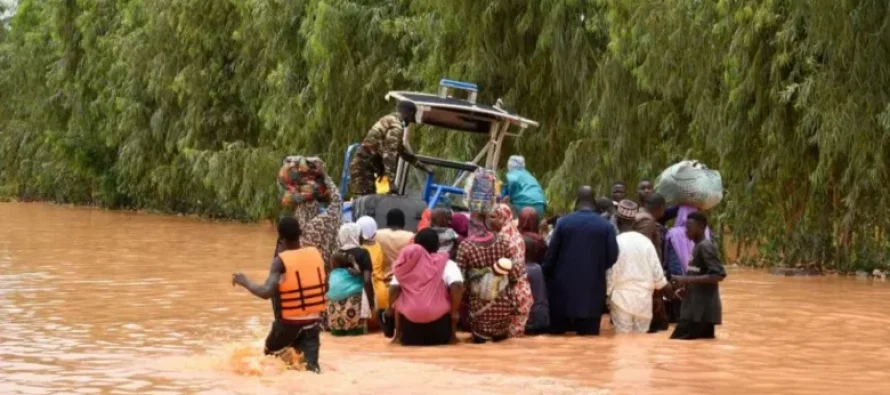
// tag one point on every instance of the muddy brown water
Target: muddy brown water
(125, 303)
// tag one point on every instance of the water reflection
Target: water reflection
(102, 302)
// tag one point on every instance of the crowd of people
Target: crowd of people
(498, 270)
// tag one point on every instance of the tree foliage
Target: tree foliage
(189, 105)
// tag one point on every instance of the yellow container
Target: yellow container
(383, 185)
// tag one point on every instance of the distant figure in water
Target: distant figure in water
(425, 292)
(583, 247)
(645, 188)
(619, 191)
(678, 252)
(296, 284)
(701, 309)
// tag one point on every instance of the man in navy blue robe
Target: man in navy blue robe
(583, 247)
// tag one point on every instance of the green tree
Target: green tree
(189, 105)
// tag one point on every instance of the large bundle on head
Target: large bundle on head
(301, 181)
(481, 190)
(691, 183)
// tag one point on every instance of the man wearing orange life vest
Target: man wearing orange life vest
(297, 285)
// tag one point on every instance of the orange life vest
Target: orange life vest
(303, 286)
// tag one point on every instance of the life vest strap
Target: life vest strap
(304, 296)
(298, 290)
(303, 306)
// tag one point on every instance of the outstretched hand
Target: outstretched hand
(239, 279)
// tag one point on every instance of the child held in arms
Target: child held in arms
(701, 309)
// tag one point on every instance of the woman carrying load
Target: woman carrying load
(485, 260)
(502, 222)
(349, 316)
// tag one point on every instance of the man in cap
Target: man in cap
(635, 276)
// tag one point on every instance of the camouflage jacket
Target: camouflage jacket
(385, 140)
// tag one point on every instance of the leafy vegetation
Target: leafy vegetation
(189, 105)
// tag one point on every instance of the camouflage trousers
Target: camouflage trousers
(361, 175)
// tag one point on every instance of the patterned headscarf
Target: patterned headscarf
(319, 225)
(504, 215)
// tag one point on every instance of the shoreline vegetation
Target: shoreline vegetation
(188, 106)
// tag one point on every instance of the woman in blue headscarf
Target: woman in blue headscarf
(523, 188)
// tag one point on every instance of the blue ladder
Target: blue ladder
(445, 87)
(344, 177)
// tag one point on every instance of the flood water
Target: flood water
(125, 303)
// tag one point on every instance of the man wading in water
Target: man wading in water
(701, 309)
(297, 299)
(583, 247)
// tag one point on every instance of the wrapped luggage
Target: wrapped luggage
(481, 190)
(301, 181)
(690, 183)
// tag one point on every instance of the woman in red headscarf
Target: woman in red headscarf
(502, 222)
(530, 228)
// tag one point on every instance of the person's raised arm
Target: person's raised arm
(398, 149)
(702, 279)
(264, 291)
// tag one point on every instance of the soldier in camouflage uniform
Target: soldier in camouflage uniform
(379, 153)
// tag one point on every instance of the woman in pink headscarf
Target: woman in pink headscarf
(426, 290)
(502, 222)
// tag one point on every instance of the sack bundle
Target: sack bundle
(690, 183)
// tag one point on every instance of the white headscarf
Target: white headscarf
(369, 227)
(516, 162)
(349, 236)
